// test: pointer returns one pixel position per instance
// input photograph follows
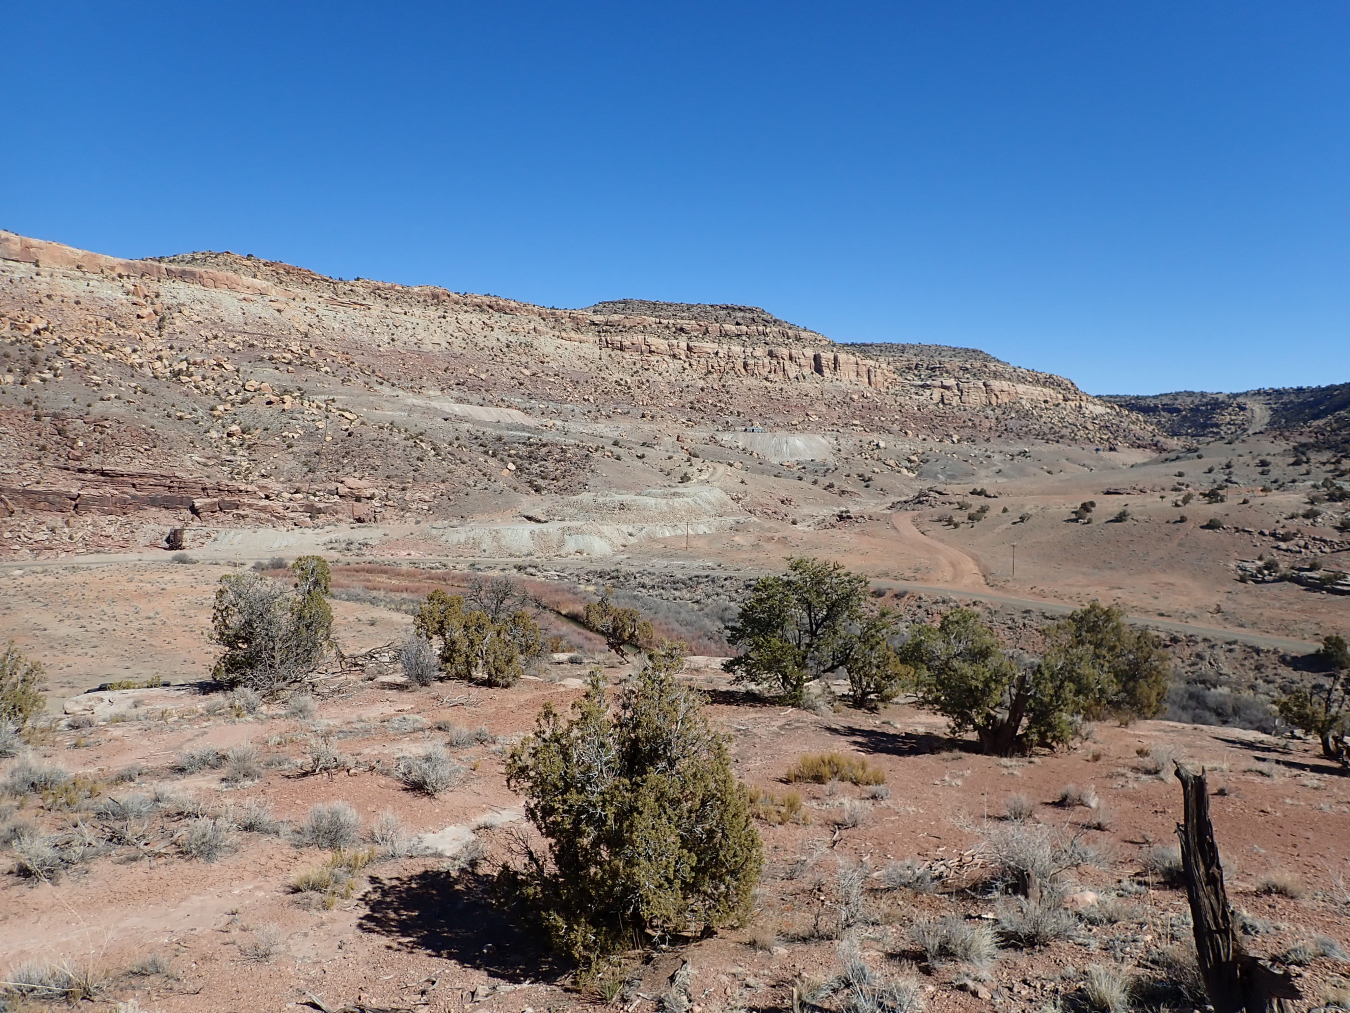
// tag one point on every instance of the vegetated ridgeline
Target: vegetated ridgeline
(246, 390)
(1316, 416)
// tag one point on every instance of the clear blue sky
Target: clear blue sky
(1141, 196)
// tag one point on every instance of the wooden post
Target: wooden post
(1234, 980)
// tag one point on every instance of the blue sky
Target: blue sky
(1143, 197)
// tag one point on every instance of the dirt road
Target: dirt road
(957, 569)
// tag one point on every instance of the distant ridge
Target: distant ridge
(713, 313)
(1316, 415)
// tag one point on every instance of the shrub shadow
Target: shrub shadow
(455, 916)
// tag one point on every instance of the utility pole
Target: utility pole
(1014, 573)
(686, 536)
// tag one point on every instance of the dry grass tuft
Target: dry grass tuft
(1336, 993)
(457, 737)
(852, 813)
(266, 943)
(1101, 818)
(822, 768)
(324, 758)
(1107, 989)
(1163, 863)
(37, 857)
(254, 817)
(149, 967)
(1071, 795)
(1029, 852)
(1283, 883)
(1156, 760)
(31, 776)
(245, 701)
(1027, 923)
(908, 875)
(761, 939)
(392, 837)
(952, 938)
(402, 724)
(334, 880)
(1176, 978)
(1019, 809)
(206, 839)
(419, 660)
(196, 760)
(302, 707)
(49, 982)
(851, 877)
(778, 809)
(866, 990)
(243, 764)
(1305, 951)
(1109, 911)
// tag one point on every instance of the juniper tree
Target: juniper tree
(621, 626)
(798, 627)
(472, 645)
(1324, 711)
(312, 574)
(1093, 666)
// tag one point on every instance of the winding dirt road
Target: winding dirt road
(957, 569)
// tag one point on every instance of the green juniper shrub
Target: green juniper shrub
(312, 574)
(876, 675)
(1122, 672)
(648, 832)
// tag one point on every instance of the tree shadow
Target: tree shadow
(454, 915)
(739, 698)
(1313, 663)
(898, 743)
(1283, 756)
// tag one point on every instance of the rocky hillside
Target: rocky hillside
(666, 353)
(255, 390)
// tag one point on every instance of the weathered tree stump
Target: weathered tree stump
(1234, 980)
